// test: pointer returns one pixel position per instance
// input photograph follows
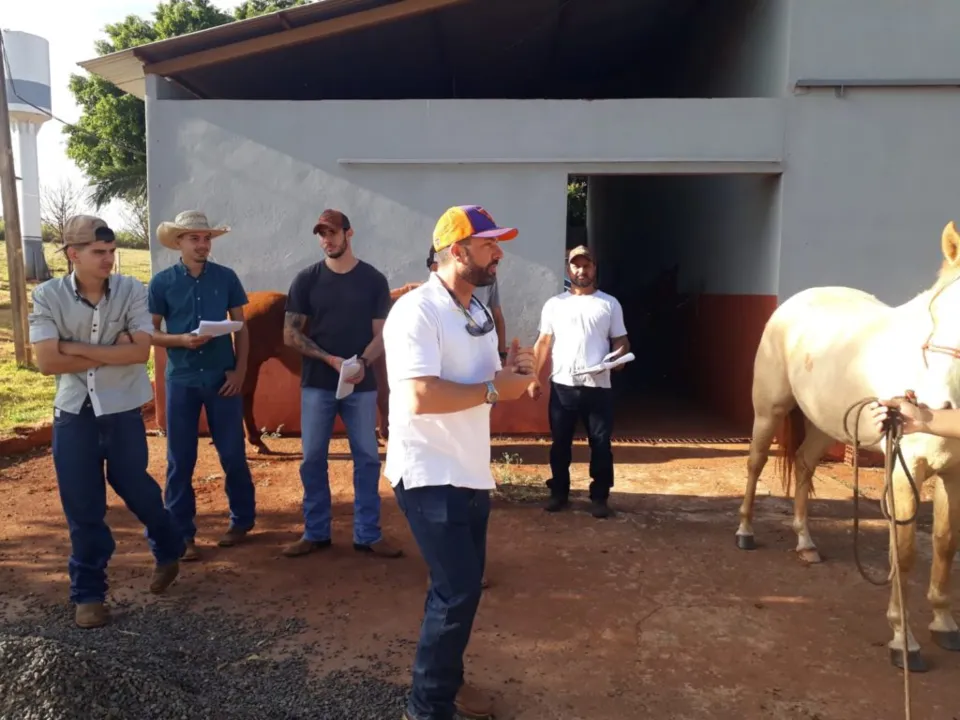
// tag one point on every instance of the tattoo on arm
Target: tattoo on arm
(293, 324)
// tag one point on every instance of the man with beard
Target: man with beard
(577, 330)
(489, 295)
(91, 330)
(345, 302)
(445, 376)
(202, 372)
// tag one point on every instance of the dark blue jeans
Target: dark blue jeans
(83, 446)
(225, 420)
(450, 526)
(593, 407)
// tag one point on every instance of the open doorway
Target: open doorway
(693, 260)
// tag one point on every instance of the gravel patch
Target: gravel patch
(166, 662)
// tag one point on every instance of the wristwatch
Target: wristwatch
(492, 395)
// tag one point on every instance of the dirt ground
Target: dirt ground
(651, 613)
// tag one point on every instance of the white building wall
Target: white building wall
(269, 168)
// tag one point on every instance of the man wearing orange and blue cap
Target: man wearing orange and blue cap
(445, 375)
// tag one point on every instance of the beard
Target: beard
(582, 282)
(337, 252)
(479, 276)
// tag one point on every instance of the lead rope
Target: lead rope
(892, 435)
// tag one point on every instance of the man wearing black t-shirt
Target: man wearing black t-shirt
(335, 311)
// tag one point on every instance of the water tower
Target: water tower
(28, 98)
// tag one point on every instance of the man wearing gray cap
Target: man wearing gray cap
(91, 329)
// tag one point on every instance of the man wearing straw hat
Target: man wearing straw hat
(91, 330)
(202, 372)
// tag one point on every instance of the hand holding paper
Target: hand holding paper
(609, 362)
(216, 328)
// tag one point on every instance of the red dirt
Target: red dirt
(653, 613)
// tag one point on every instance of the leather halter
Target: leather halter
(949, 350)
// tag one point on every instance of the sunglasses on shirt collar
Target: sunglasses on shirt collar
(474, 329)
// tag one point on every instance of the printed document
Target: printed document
(348, 369)
(609, 362)
(216, 328)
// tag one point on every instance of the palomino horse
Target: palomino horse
(263, 314)
(821, 352)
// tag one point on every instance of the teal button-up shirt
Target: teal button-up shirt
(183, 301)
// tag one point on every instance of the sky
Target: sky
(71, 27)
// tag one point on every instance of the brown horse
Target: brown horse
(264, 313)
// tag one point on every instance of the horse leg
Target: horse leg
(905, 546)
(253, 434)
(764, 428)
(815, 444)
(946, 533)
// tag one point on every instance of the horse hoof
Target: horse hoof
(809, 557)
(746, 542)
(947, 640)
(915, 662)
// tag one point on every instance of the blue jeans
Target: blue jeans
(225, 420)
(82, 445)
(318, 411)
(450, 526)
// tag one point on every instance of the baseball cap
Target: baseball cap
(466, 221)
(580, 251)
(84, 229)
(332, 219)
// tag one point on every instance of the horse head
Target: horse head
(941, 350)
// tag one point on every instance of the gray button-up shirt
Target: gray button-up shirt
(61, 313)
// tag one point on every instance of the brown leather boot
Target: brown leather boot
(92, 615)
(163, 576)
(382, 548)
(304, 547)
(232, 536)
(190, 553)
(472, 704)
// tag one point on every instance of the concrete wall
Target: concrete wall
(871, 177)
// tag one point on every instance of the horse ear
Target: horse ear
(950, 243)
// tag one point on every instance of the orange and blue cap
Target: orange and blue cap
(466, 221)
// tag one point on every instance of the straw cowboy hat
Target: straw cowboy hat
(186, 222)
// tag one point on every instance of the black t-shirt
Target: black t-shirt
(340, 310)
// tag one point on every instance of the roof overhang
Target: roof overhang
(127, 69)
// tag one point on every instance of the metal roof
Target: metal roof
(125, 68)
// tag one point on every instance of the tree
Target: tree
(109, 142)
(58, 203)
(136, 222)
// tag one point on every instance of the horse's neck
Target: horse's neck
(900, 336)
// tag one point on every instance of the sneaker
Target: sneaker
(164, 576)
(91, 615)
(472, 704)
(382, 548)
(304, 547)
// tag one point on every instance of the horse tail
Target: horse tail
(789, 438)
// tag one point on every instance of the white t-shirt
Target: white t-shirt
(425, 335)
(582, 327)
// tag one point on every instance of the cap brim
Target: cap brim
(329, 226)
(501, 234)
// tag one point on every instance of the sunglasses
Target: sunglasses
(474, 329)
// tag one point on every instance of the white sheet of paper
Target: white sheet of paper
(609, 362)
(348, 369)
(216, 328)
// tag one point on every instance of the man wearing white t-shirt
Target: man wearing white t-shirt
(577, 329)
(445, 375)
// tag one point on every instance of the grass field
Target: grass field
(26, 396)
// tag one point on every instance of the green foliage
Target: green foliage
(577, 202)
(47, 233)
(109, 141)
